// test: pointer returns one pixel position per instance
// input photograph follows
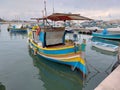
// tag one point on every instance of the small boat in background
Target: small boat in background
(17, 28)
(105, 46)
(106, 36)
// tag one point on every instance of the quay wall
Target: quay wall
(112, 82)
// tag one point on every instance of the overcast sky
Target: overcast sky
(26, 9)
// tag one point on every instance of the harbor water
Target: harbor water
(21, 70)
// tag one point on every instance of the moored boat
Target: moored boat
(50, 43)
(105, 34)
(105, 46)
(17, 28)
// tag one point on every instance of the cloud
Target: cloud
(26, 9)
(106, 14)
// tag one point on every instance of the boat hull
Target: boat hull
(106, 36)
(17, 30)
(60, 55)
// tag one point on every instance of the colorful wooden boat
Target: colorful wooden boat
(50, 43)
(106, 36)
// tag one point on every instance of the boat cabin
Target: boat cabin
(49, 36)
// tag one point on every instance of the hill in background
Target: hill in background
(2, 20)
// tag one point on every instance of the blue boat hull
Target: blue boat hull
(106, 36)
(17, 30)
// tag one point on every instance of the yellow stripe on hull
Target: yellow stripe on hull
(76, 59)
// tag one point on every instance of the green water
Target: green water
(21, 70)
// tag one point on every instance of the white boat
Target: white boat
(105, 46)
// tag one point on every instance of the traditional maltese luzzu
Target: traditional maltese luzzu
(49, 42)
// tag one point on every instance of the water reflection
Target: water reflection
(2, 87)
(56, 76)
(17, 34)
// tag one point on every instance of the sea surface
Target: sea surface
(21, 70)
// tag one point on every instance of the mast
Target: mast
(43, 17)
(45, 8)
(45, 11)
(53, 12)
(53, 7)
